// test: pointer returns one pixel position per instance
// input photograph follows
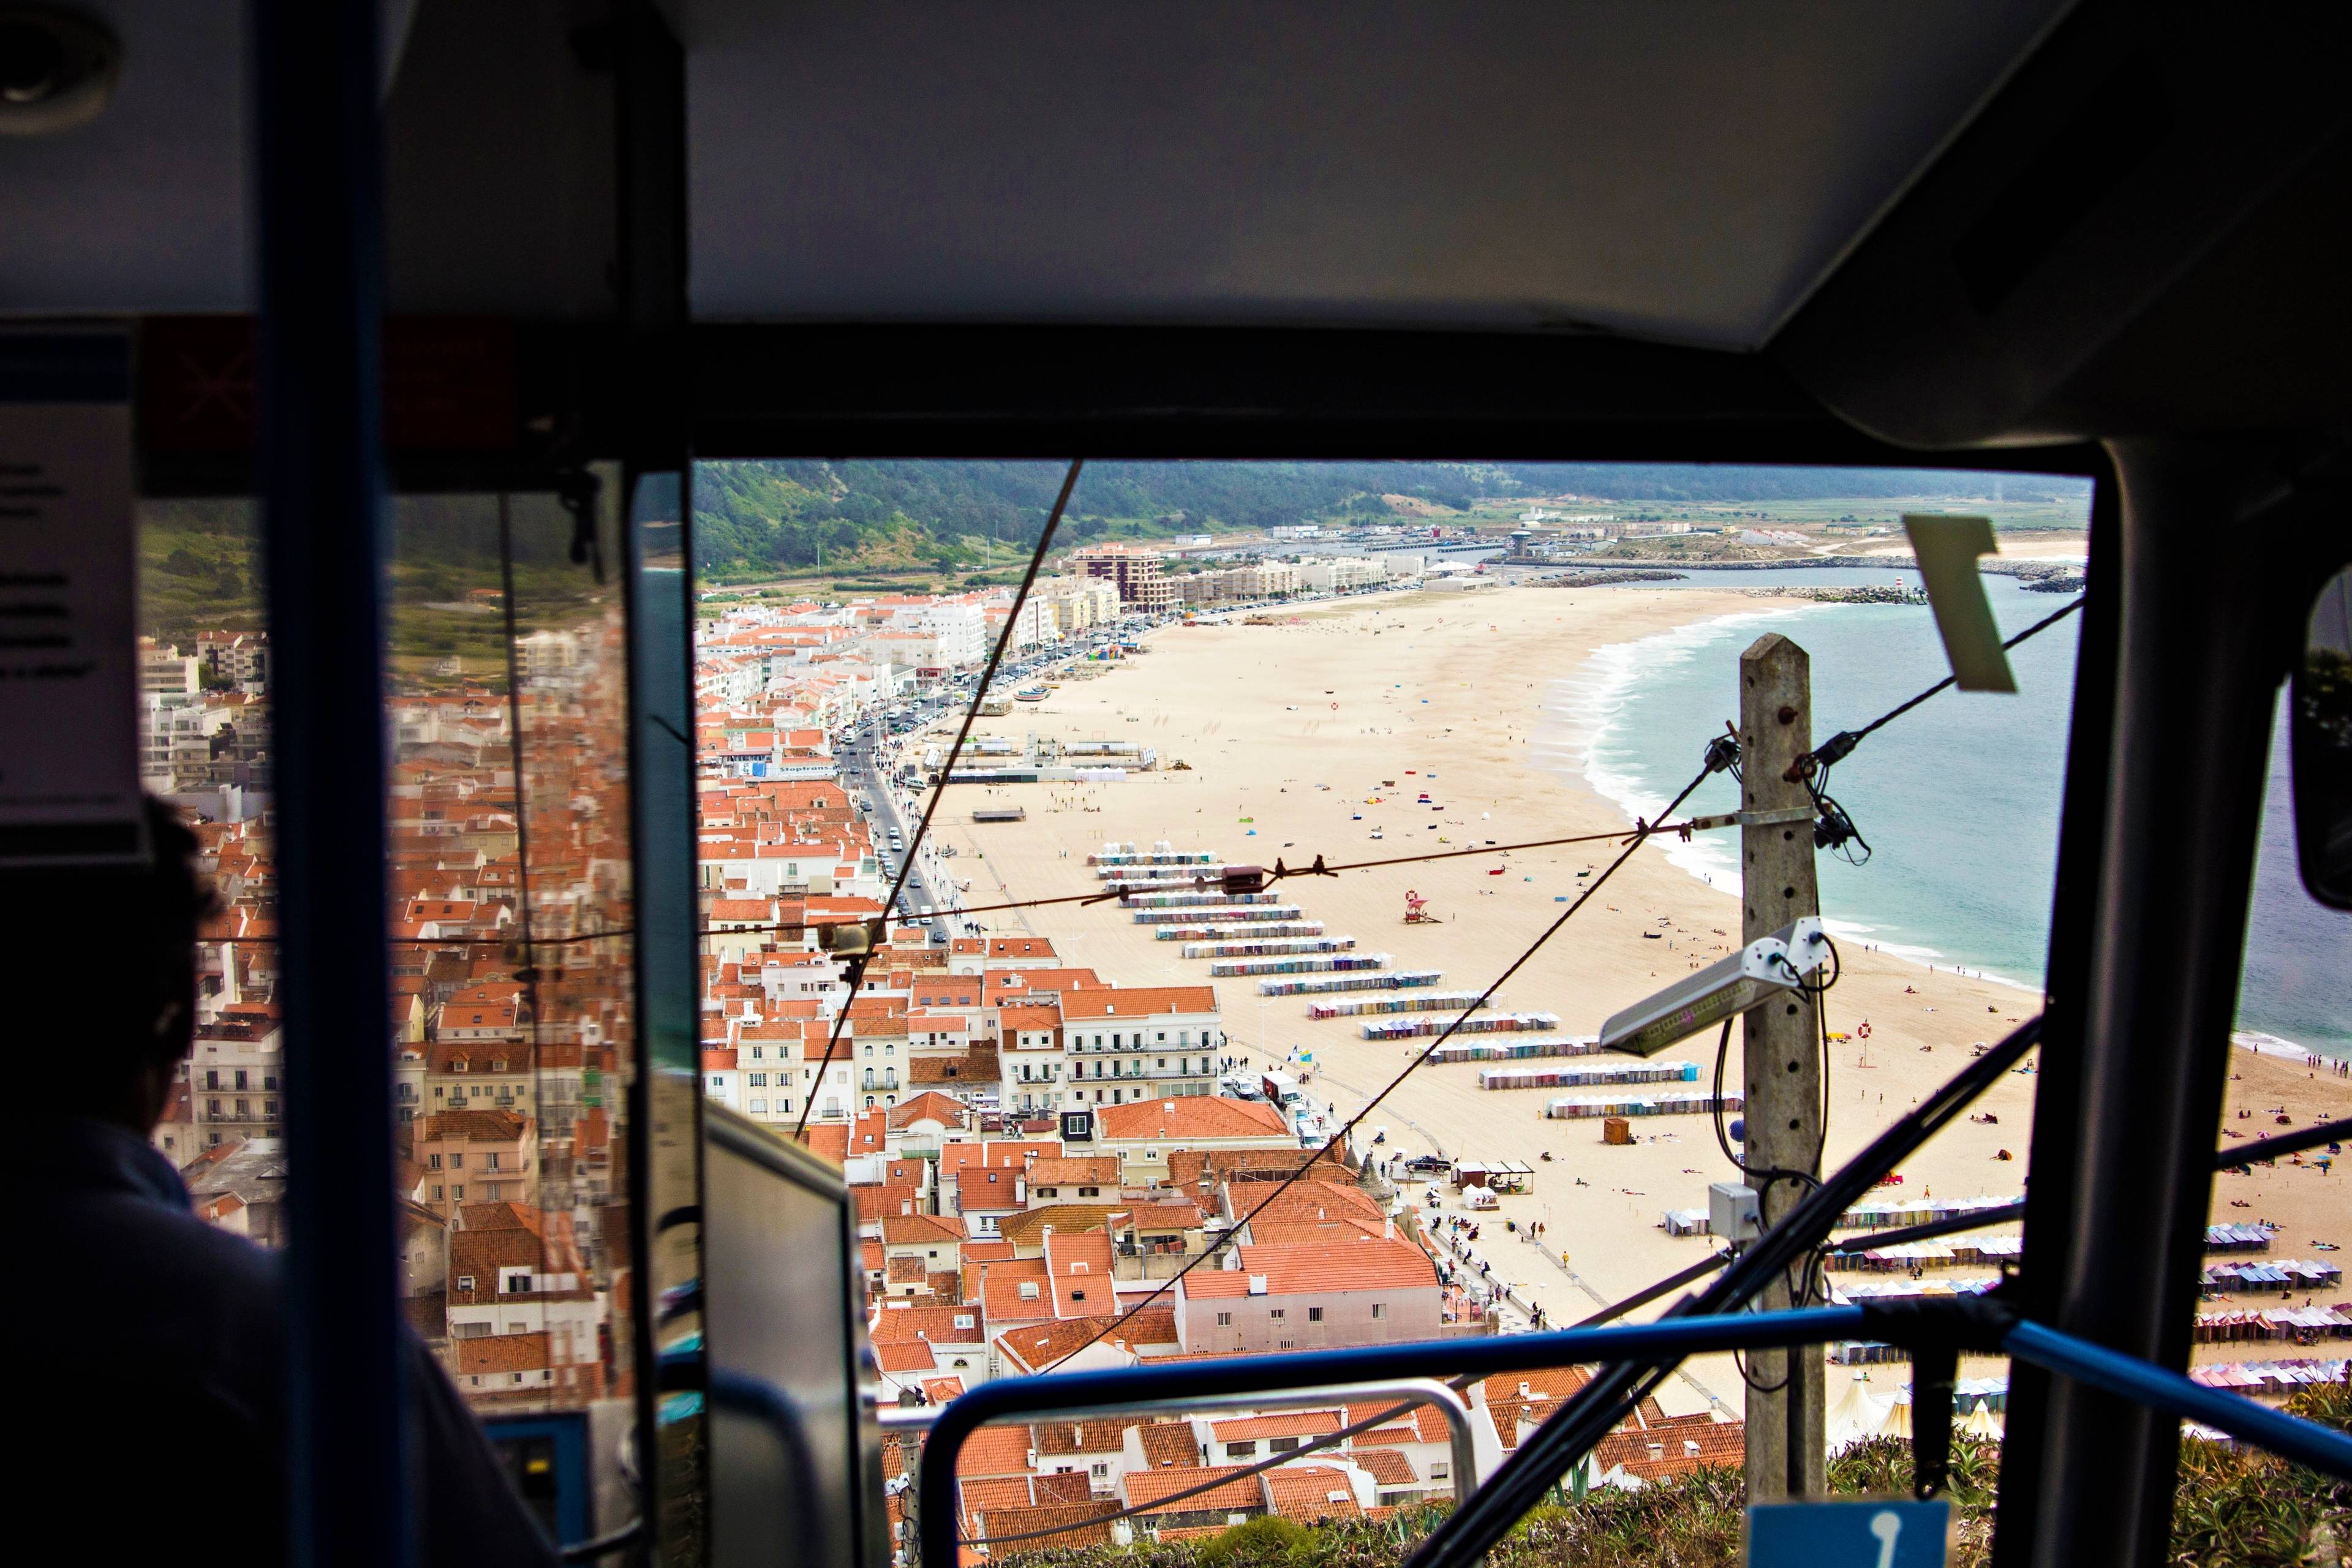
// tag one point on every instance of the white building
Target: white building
(959, 628)
(1343, 574)
(1159, 1042)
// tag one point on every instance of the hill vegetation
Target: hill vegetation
(756, 519)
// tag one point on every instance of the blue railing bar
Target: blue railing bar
(1062, 1392)
(1671, 1339)
(2304, 1442)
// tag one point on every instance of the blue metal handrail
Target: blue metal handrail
(1670, 1339)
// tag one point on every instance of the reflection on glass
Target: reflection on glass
(662, 761)
(512, 1035)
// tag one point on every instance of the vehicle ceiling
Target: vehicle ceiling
(1707, 174)
(1490, 164)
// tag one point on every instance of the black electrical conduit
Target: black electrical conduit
(1615, 1390)
(1581, 1422)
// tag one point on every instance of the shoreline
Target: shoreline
(1586, 707)
(1588, 703)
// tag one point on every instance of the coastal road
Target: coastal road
(867, 762)
(865, 777)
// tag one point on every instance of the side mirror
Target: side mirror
(2320, 710)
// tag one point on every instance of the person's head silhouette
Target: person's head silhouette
(105, 959)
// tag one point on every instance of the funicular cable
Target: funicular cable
(1644, 832)
(915, 843)
(1834, 828)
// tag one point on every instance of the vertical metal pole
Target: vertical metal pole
(2201, 648)
(320, 247)
(1785, 1456)
(658, 518)
(2058, 1077)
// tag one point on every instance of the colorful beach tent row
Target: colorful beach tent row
(1434, 1002)
(1397, 980)
(1303, 965)
(1518, 1050)
(1588, 1073)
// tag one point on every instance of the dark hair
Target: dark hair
(103, 953)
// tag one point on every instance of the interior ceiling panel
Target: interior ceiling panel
(143, 207)
(146, 209)
(1686, 172)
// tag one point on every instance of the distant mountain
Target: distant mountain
(761, 516)
(753, 516)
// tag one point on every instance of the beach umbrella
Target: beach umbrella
(1898, 1416)
(1982, 1423)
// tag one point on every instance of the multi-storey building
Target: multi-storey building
(476, 1156)
(1143, 586)
(1321, 1296)
(1029, 1055)
(1140, 1043)
(233, 1076)
(1146, 1135)
(480, 1075)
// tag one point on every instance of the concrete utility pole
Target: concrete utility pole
(1786, 1444)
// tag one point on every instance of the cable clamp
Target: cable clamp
(1826, 755)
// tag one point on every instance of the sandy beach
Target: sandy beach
(1295, 730)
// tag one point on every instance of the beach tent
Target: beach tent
(1898, 1417)
(1983, 1424)
(1853, 1415)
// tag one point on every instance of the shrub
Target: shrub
(2233, 1508)
(1267, 1539)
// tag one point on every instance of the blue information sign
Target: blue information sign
(1849, 1534)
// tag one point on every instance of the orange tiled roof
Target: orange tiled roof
(1364, 1264)
(1146, 1488)
(1311, 1492)
(1195, 1117)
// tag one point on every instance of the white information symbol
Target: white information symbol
(1886, 1526)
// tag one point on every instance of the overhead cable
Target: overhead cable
(914, 845)
(1642, 832)
(1840, 746)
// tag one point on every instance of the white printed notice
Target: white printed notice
(69, 654)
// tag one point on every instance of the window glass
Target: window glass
(509, 832)
(1446, 667)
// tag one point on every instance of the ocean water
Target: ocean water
(1959, 798)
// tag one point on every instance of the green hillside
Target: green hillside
(914, 519)
(764, 518)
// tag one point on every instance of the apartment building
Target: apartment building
(1143, 586)
(1320, 1296)
(1140, 1043)
(1029, 1055)
(235, 1073)
(1147, 1134)
(476, 1156)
